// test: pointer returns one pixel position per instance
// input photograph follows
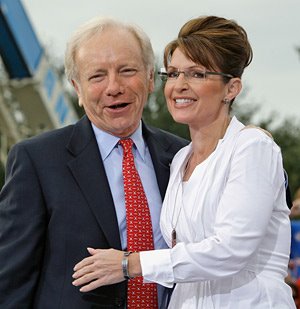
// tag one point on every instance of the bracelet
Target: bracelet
(125, 265)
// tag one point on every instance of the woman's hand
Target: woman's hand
(103, 267)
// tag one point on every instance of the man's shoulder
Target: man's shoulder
(49, 137)
(164, 136)
(57, 136)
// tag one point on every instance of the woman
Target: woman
(224, 216)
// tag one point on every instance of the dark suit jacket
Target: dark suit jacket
(56, 202)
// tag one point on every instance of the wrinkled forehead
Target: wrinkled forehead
(111, 40)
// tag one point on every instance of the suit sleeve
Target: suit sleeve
(22, 231)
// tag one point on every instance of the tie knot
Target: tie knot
(126, 144)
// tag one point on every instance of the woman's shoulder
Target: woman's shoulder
(248, 134)
(256, 135)
(252, 142)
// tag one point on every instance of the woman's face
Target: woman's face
(194, 101)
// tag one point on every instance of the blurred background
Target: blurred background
(35, 97)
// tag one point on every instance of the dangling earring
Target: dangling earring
(225, 101)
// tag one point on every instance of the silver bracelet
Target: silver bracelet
(125, 265)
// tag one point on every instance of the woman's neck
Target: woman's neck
(204, 142)
(206, 137)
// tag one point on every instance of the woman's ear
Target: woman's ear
(234, 88)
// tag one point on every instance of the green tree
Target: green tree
(287, 136)
(1, 175)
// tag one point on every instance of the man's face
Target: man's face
(112, 81)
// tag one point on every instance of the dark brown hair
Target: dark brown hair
(214, 42)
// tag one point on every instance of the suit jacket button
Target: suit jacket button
(119, 302)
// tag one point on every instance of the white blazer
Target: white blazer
(232, 225)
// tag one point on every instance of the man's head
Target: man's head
(110, 64)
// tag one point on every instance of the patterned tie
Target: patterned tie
(139, 229)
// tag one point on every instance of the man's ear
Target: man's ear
(77, 89)
(151, 81)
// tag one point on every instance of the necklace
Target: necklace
(205, 172)
(187, 166)
(173, 233)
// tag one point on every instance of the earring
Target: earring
(225, 101)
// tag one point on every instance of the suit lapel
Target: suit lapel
(88, 170)
(161, 157)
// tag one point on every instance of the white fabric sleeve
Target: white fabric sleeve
(156, 265)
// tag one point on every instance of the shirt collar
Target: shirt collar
(107, 142)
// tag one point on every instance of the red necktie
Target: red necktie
(139, 229)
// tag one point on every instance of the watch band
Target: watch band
(125, 265)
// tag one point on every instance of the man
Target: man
(64, 189)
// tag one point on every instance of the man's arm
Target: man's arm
(22, 230)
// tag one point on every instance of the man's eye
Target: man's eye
(97, 77)
(128, 72)
(172, 74)
(197, 74)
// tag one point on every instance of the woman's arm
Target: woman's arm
(104, 267)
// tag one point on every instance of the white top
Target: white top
(232, 224)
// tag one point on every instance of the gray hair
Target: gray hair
(96, 25)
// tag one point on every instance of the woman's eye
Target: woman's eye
(197, 74)
(172, 74)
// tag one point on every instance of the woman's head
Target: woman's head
(204, 68)
(216, 43)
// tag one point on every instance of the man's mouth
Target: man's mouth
(116, 106)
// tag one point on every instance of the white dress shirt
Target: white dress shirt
(232, 224)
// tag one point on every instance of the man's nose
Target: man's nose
(114, 85)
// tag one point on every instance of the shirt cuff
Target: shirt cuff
(157, 267)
